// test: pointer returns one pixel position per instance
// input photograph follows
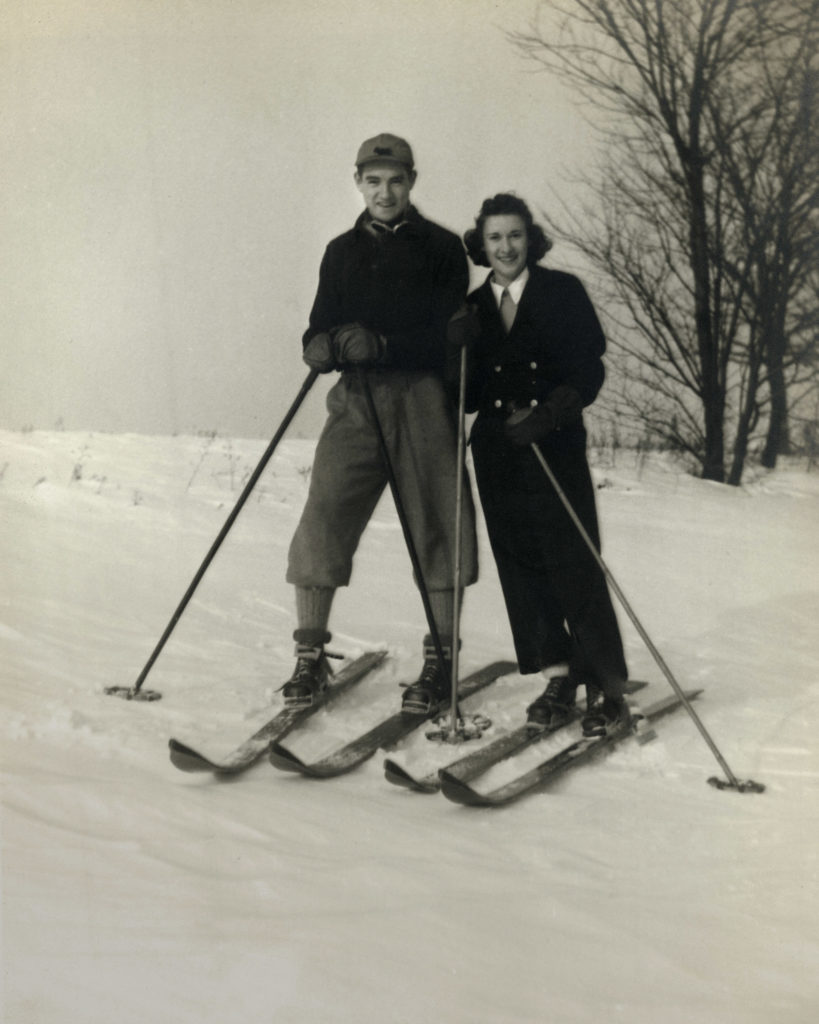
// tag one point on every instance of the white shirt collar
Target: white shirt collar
(515, 289)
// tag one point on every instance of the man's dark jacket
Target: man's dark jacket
(404, 285)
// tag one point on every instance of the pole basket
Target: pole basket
(738, 785)
(467, 727)
(132, 693)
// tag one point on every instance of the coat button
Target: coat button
(533, 403)
(497, 369)
(498, 403)
(532, 366)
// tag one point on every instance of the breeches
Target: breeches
(349, 477)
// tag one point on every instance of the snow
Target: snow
(630, 891)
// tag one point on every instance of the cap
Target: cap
(385, 147)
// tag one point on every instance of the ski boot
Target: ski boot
(553, 706)
(434, 685)
(604, 714)
(310, 677)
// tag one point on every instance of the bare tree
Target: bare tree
(699, 106)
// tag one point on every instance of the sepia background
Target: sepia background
(171, 171)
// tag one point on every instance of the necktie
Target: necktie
(507, 310)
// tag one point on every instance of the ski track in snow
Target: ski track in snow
(629, 891)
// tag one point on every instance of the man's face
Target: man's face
(386, 189)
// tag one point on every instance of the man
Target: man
(387, 289)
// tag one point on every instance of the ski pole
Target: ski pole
(746, 786)
(402, 517)
(458, 730)
(135, 692)
(459, 501)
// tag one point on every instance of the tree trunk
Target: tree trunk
(749, 414)
(777, 441)
(712, 392)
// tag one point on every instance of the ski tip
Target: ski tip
(426, 786)
(286, 760)
(186, 759)
(398, 776)
(460, 792)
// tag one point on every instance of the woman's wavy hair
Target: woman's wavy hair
(498, 205)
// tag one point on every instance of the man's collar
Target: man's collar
(378, 227)
(411, 223)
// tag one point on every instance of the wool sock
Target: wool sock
(313, 606)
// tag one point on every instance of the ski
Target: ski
(384, 734)
(579, 752)
(251, 750)
(478, 761)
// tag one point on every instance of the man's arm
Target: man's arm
(327, 310)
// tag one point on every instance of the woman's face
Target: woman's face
(506, 245)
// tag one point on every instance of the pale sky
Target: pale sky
(171, 171)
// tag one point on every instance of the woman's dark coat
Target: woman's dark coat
(553, 356)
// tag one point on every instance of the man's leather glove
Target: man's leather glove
(354, 344)
(464, 327)
(535, 423)
(318, 353)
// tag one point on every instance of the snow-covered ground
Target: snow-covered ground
(631, 891)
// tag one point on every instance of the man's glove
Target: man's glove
(464, 327)
(318, 353)
(354, 344)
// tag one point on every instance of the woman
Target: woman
(535, 358)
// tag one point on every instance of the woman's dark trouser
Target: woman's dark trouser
(556, 595)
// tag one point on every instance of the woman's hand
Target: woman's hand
(527, 426)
